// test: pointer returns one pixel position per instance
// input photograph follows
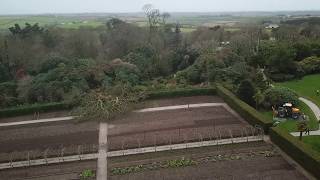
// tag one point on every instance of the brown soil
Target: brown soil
(255, 165)
(16, 143)
(130, 131)
(65, 171)
(175, 126)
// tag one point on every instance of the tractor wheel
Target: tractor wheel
(282, 114)
(295, 116)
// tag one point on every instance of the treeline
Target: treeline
(40, 65)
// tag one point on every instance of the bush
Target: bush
(191, 75)
(280, 95)
(246, 92)
(87, 174)
(8, 94)
(311, 65)
(30, 109)
(299, 151)
(182, 92)
(246, 111)
(280, 77)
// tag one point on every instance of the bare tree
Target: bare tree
(154, 17)
(165, 16)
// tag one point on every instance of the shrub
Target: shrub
(246, 92)
(311, 65)
(192, 75)
(299, 151)
(246, 111)
(280, 77)
(8, 94)
(280, 95)
(87, 174)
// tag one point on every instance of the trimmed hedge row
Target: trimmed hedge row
(299, 151)
(247, 112)
(30, 109)
(181, 92)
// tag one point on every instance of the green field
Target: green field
(306, 87)
(291, 125)
(50, 20)
(313, 141)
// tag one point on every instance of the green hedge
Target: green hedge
(30, 109)
(181, 92)
(299, 151)
(247, 112)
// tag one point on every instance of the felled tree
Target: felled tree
(105, 105)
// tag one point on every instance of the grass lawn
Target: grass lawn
(291, 125)
(306, 87)
(313, 141)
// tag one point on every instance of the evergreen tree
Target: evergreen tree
(246, 92)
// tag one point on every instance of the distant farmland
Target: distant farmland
(188, 21)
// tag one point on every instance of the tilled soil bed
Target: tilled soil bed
(49, 140)
(64, 171)
(243, 161)
(176, 126)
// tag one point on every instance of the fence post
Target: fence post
(185, 140)
(79, 152)
(122, 144)
(252, 131)
(28, 157)
(231, 136)
(155, 143)
(45, 154)
(201, 139)
(139, 143)
(62, 154)
(245, 130)
(11, 159)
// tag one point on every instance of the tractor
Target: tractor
(287, 110)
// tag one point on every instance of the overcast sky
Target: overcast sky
(74, 6)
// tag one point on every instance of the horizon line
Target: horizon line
(140, 12)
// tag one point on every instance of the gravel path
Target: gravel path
(314, 107)
(316, 111)
(10, 124)
(102, 155)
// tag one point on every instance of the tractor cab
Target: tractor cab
(287, 110)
